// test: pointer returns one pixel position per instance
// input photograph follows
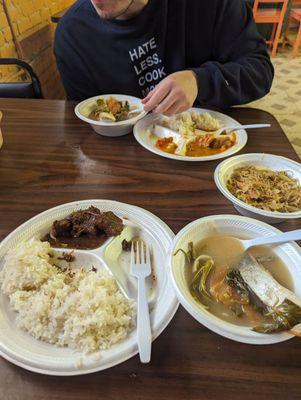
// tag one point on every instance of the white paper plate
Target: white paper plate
(276, 163)
(21, 349)
(229, 225)
(148, 141)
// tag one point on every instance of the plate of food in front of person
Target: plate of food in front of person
(194, 135)
(68, 303)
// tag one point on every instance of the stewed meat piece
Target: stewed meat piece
(87, 222)
(61, 228)
(110, 223)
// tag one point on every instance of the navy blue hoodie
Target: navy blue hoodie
(217, 39)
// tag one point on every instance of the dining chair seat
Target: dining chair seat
(268, 15)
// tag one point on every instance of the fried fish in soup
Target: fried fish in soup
(214, 274)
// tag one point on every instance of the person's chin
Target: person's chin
(105, 14)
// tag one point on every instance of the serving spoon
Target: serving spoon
(275, 239)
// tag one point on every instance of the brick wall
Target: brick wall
(7, 46)
(26, 32)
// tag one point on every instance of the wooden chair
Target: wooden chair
(295, 16)
(271, 15)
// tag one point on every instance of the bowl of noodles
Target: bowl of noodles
(263, 186)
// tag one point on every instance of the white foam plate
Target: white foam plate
(148, 141)
(237, 226)
(23, 350)
(276, 163)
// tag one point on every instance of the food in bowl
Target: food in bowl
(84, 229)
(249, 289)
(83, 310)
(112, 110)
(197, 135)
(266, 189)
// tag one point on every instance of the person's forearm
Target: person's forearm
(232, 83)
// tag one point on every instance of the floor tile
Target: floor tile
(284, 100)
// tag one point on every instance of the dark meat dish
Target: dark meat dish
(126, 245)
(84, 229)
(68, 257)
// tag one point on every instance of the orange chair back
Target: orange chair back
(257, 3)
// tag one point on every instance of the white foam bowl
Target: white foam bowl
(229, 225)
(111, 129)
(276, 163)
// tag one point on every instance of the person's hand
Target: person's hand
(174, 94)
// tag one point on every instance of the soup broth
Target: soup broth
(226, 253)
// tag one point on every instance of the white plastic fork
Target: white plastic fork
(163, 132)
(140, 269)
(232, 128)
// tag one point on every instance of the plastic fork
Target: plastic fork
(140, 269)
(163, 132)
(232, 128)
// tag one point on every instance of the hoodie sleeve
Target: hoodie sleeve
(240, 70)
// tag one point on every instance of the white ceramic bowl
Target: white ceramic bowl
(111, 129)
(230, 225)
(277, 163)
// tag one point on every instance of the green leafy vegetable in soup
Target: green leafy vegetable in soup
(202, 267)
(284, 318)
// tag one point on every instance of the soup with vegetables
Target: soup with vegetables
(252, 288)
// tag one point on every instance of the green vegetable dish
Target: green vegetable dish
(110, 110)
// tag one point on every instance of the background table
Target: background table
(49, 158)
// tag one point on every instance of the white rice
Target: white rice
(186, 123)
(82, 310)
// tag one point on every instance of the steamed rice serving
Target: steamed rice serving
(79, 309)
(187, 123)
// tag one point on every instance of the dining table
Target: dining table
(48, 158)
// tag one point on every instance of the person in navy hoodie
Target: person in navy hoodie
(172, 53)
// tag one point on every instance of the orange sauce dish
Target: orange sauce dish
(202, 145)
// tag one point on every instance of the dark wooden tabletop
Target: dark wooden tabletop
(49, 157)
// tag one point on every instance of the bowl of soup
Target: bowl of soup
(208, 265)
(111, 115)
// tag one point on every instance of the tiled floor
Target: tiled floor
(284, 100)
